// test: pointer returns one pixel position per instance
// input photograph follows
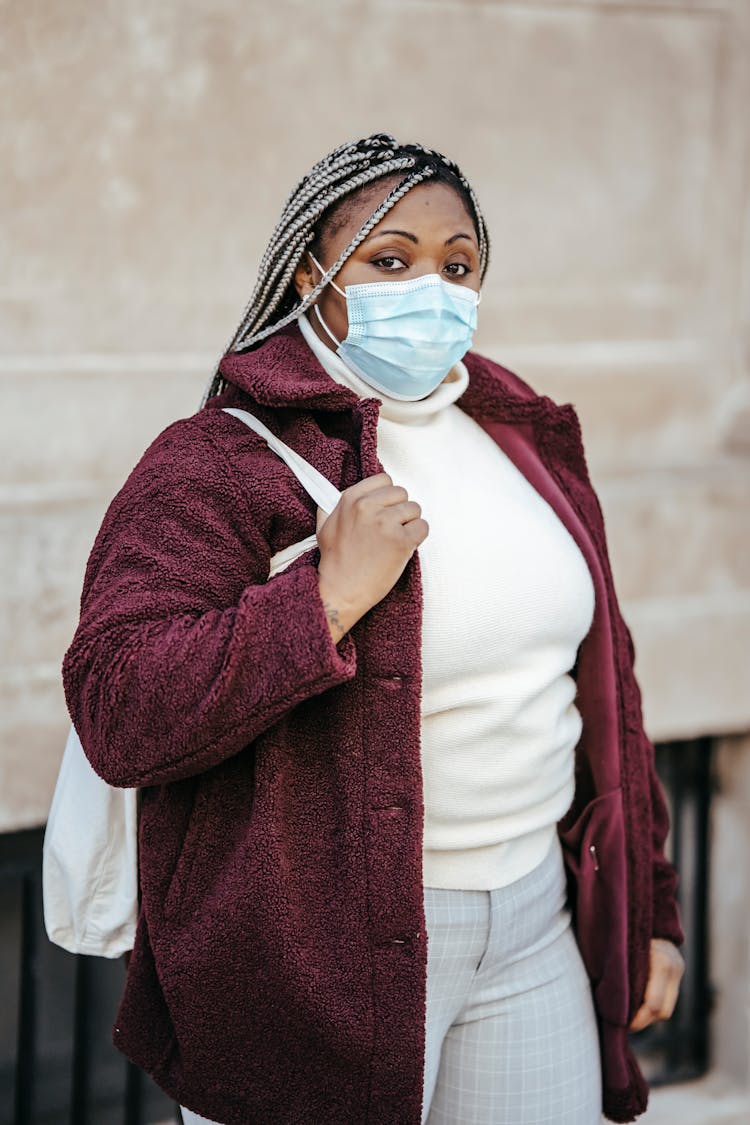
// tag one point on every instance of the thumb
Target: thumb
(320, 519)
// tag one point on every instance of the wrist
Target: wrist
(340, 612)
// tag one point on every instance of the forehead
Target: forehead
(429, 205)
(426, 209)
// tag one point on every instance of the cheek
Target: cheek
(333, 309)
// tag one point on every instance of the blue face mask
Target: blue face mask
(405, 336)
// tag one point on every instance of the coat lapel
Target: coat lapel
(543, 440)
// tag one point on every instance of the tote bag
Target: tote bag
(90, 853)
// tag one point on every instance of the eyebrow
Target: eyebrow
(413, 238)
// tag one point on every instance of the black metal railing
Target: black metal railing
(57, 1063)
(679, 1049)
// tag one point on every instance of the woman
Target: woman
(379, 786)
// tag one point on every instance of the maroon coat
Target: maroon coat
(279, 970)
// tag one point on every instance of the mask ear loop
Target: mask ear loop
(322, 272)
(315, 306)
(325, 326)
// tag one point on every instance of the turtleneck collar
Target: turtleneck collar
(285, 372)
(395, 410)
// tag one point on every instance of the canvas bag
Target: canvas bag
(90, 853)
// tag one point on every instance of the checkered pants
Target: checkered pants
(511, 1031)
(511, 1036)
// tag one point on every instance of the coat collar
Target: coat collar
(284, 372)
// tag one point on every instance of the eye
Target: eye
(453, 269)
(390, 263)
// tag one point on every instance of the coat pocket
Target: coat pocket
(178, 894)
(594, 851)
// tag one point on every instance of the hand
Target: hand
(366, 543)
(666, 967)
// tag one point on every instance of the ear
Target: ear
(303, 277)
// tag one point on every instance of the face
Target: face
(428, 231)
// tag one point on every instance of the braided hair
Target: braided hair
(317, 197)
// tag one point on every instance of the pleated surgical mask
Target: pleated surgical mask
(405, 336)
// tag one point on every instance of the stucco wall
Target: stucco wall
(146, 149)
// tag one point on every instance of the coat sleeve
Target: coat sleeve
(185, 652)
(666, 915)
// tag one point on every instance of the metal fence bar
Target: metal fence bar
(679, 1049)
(26, 1043)
(698, 1001)
(81, 1079)
(80, 1092)
(671, 1052)
(133, 1096)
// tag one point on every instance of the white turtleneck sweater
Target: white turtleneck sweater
(507, 599)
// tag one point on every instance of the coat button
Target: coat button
(393, 682)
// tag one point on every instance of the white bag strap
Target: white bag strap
(325, 494)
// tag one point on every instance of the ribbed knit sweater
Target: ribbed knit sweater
(507, 599)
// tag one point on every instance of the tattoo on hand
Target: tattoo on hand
(333, 616)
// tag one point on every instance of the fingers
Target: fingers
(665, 973)
(417, 531)
(406, 510)
(661, 990)
(378, 489)
(384, 497)
(397, 504)
(370, 484)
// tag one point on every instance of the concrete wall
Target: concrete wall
(146, 150)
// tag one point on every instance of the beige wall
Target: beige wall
(146, 149)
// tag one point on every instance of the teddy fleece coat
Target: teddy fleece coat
(279, 969)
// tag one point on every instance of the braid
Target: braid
(346, 170)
